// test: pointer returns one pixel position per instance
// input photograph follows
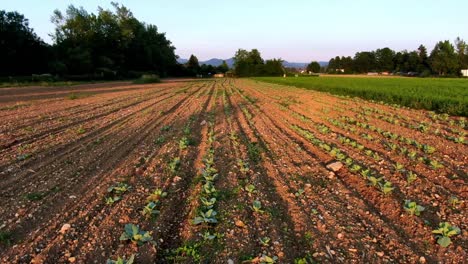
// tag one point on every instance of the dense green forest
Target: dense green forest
(107, 45)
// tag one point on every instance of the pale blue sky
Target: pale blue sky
(295, 30)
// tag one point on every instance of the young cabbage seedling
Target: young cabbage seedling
(156, 195)
(174, 165)
(444, 232)
(250, 188)
(264, 241)
(208, 217)
(268, 260)
(257, 206)
(386, 188)
(299, 193)
(208, 204)
(150, 211)
(374, 181)
(111, 200)
(413, 208)
(411, 177)
(133, 233)
(121, 260)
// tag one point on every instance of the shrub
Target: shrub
(147, 78)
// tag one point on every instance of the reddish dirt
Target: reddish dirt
(60, 153)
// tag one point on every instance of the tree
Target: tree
(443, 59)
(192, 65)
(313, 67)
(22, 52)
(223, 68)
(423, 63)
(248, 63)
(109, 43)
(364, 62)
(384, 59)
(273, 67)
(462, 53)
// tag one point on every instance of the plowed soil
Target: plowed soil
(62, 148)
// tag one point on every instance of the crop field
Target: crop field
(228, 171)
(436, 94)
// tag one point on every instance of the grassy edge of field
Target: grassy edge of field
(453, 99)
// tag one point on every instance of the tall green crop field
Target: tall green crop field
(436, 94)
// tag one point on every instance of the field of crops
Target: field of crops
(436, 94)
(227, 171)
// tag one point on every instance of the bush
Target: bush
(148, 78)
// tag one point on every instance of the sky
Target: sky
(294, 30)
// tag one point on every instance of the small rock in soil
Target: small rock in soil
(65, 228)
(335, 166)
(240, 224)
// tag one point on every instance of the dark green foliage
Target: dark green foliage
(109, 44)
(148, 78)
(313, 67)
(22, 52)
(250, 63)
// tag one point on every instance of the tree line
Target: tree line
(446, 59)
(251, 63)
(193, 68)
(107, 45)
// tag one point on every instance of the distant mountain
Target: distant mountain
(182, 61)
(230, 62)
(213, 62)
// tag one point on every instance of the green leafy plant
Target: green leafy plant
(174, 165)
(413, 208)
(264, 241)
(444, 232)
(156, 195)
(121, 260)
(184, 142)
(355, 167)
(250, 188)
(374, 181)
(386, 187)
(257, 206)
(208, 188)
(264, 259)
(208, 203)
(398, 167)
(118, 188)
(411, 177)
(150, 211)
(436, 165)
(135, 235)
(428, 149)
(208, 217)
(113, 199)
(299, 193)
